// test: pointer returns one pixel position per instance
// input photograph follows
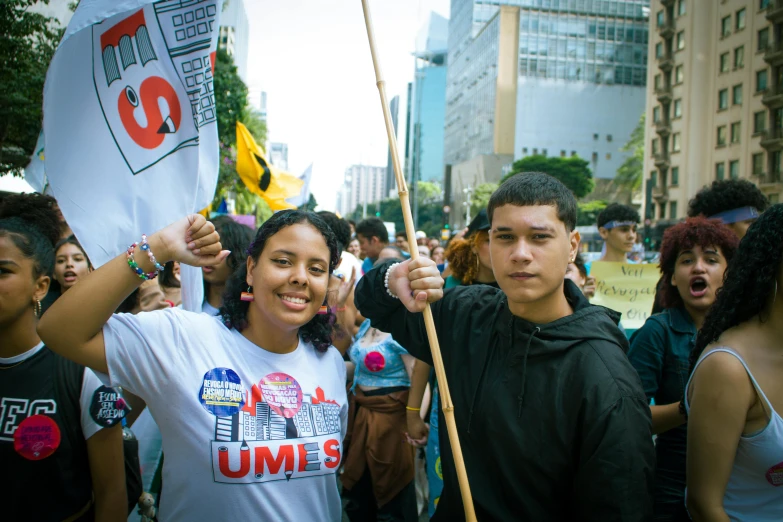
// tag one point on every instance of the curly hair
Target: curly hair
(617, 212)
(340, 227)
(695, 231)
(750, 279)
(462, 260)
(234, 311)
(726, 195)
(235, 237)
(33, 224)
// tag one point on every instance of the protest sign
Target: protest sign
(130, 120)
(626, 288)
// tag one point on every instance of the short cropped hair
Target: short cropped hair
(695, 231)
(726, 195)
(373, 227)
(617, 212)
(579, 261)
(535, 188)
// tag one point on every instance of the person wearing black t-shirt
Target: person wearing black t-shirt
(60, 430)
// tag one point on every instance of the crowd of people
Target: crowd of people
(303, 389)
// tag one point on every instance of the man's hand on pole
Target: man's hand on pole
(416, 282)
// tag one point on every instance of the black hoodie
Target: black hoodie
(552, 418)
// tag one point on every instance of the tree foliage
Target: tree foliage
(480, 197)
(631, 172)
(587, 212)
(27, 45)
(573, 172)
(430, 201)
(310, 205)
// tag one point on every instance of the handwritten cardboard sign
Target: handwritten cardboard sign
(626, 288)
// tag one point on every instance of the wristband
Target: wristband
(136, 268)
(412, 409)
(386, 281)
(340, 308)
(146, 247)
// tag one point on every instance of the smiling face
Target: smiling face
(354, 248)
(70, 265)
(698, 274)
(19, 289)
(290, 278)
(530, 250)
(438, 255)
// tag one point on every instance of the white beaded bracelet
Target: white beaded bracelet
(386, 281)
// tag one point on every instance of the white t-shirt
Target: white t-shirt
(90, 386)
(347, 262)
(208, 309)
(247, 434)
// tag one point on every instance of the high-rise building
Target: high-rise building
(394, 109)
(715, 100)
(428, 101)
(550, 77)
(363, 185)
(278, 155)
(234, 34)
(262, 106)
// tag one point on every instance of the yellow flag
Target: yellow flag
(260, 177)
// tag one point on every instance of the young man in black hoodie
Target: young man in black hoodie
(552, 418)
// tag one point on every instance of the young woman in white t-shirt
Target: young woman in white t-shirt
(251, 404)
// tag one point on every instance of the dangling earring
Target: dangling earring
(38, 308)
(478, 264)
(248, 296)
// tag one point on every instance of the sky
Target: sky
(312, 57)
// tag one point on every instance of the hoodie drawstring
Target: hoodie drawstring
(524, 370)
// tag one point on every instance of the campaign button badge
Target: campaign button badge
(37, 437)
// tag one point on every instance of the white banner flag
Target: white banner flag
(304, 195)
(130, 119)
(34, 172)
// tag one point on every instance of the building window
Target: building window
(662, 211)
(722, 136)
(535, 152)
(659, 50)
(740, 20)
(725, 26)
(657, 81)
(608, 155)
(656, 114)
(672, 210)
(680, 7)
(595, 137)
(763, 4)
(676, 142)
(595, 156)
(655, 146)
(660, 18)
(736, 94)
(678, 108)
(761, 80)
(734, 169)
(759, 122)
(763, 40)
(724, 62)
(653, 178)
(681, 40)
(573, 153)
(739, 57)
(720, 171)
(524, 151)
(609, 137)
(562, 154)
(758, 164)
(723, 99)
(675, 176)
(735, 132)
(679, 74)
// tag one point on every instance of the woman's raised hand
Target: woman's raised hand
(416, 282)
(191, 240)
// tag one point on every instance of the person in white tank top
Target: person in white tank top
(735, 393)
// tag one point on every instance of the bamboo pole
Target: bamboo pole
(429, 322)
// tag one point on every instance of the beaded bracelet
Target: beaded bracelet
(136, 268)
(146, 247)
(386, 281)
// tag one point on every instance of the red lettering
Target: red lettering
(151, 90)
(244, 463)
(285, 455)
(332, 449)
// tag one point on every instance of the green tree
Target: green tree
(480, 197)
(27, 45)
(573, 172)
(631, 172)
(310, 205)
(587, 212)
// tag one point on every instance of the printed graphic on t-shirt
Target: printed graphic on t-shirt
(273, 431)
(375, 361)
(107, 407)
(775, 474)
(14, 410)
(37, 437)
